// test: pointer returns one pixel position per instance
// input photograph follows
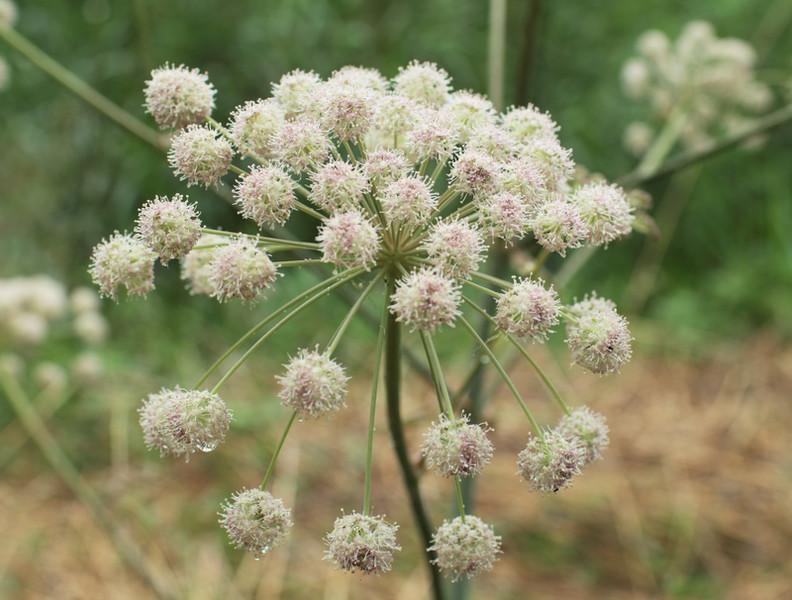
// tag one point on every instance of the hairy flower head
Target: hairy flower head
(346, 111)
(254, 125)
(588, 429)
(504, 215)
(199, 155)
(362, 543)
(170, 226)
(361, 78)
(552, 160)
(408, 201)
(394, 115)
(338, 185)
(255, 520)
(241, 270)
(456, 447)
(425, 300)
(313, 384)
(423, 82)
(527, 123)
(297, 92)
(605, 210)
(179, 421)
(474, 173)
(465, 547)
(178, 96)
(598, 336)
(455, 247)
(383, 167)
(265, 195)
(558, 226)
(431, 137)
(528, 309)
(123, 260)
(196, 266)
(302, 144)
(549, 465)
(349, 239)
(468, 112)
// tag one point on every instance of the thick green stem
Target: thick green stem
(392, 393)
(80, 88)
(127, 549)
(373, 411)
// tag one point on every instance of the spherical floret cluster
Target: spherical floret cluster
(241, 270)
(529, 310)
(313, 384)
(465, 547)
(170, 226)
(549, 463)
(598, 337)
(255, 520)
(456, 447)
(178, 96)
(426, 300)
(362, 543)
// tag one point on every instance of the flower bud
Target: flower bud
(338, 185)
(313, 384)
(180, 421)
(425, 83)
(349, 240)
(598, 336)
(255, 520)
(362, 543)
(241, 270)
(408, 201)
(426, 300)
(177, 96)
(265, 195)
(171, 227)
(528, 310)
(254, 126)
(588, 429)
(549, 465)
(558, 226)
(455, 248)
(456, 448)
(605, 210)
(124, 260)
(199, 155)
(465, 547)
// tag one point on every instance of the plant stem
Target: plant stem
(496, 51)
(317, 289)
(278, 448)
(481, 288)
(373, 411)
(392, 393)
(437, 374)
(80, 88)
(460, 499)
(505, 376)
(492, 279)
(127, 549)
(334, 341)
(545, 379)
(298, 262)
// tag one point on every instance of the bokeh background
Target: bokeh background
(693, 498)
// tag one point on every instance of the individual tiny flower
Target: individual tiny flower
(383, 167)
(456, 447)
(179, 421)
(523, 178)
(474, 173)
(91, 327)
(504, 215)
(527, 123)
(423, 82)
(465, 547)
(265, 195)
(84, 299)
(588, 428)
(598, 336)
(178, 96)
(468, 112)
(363, 78)
(558, 226)
(302, 144)
(297, 92)
(170, 226)
(455, 247)
(254, 126)
(241, 270)
(432, 137)
(408, 201)
(425, 300)
(255, 520)
(196, 267)
(313, 384)
(199, 155)
(349, 239)
(605, 210)
(362, 543)
(550, 463)
(123, 260)
(553, 161)
(528, 309)
(338, 185)
(346, 111)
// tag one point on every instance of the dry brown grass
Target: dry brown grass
(692, 500)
